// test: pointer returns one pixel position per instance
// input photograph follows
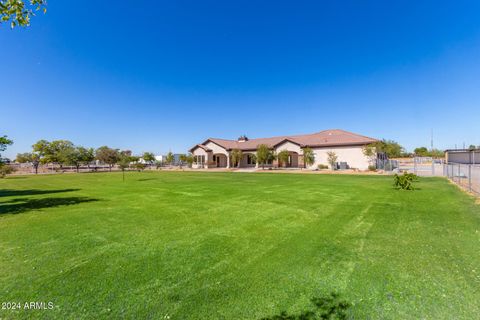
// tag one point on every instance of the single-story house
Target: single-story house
(348, 146)
(464, 156)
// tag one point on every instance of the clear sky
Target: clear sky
(165, 75)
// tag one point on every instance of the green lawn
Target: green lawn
(191, 245)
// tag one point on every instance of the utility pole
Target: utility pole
(431, 150)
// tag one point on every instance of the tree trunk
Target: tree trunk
(78, 168)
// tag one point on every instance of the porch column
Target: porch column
(228, 160)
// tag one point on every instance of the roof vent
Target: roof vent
(242, 138)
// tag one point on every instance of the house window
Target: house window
(214, 158)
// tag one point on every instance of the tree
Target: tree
(170, 158)
(78, 156)
(4, 170)
(4, 142)
(283, 157)
(421, 152)
(189, 160)
(436, 153)
(55, 152)
(183, 159)
(148, 157)
(236, 157)
(264, 154)
(107, 155)
(87, 155)
(391, 148)
(18, 12)
(308, 157)
(332, 159)
(29, 157)
(472, 147)
(123, 161)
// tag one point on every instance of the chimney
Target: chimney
(242, 138)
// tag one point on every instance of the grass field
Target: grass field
(193, 245)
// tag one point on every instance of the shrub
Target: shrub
(405, 181)
(140, 166)
(322, 166)
(5, 169)
(372, 168)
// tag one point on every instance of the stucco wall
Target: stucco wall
(216, 148)
(352, 155)
(287, 145)
(466, 157)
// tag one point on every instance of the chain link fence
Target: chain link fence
(465, 175)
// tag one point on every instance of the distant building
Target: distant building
(464, 156)
(163, 159)
(348, 146)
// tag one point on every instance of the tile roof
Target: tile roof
(326, 138)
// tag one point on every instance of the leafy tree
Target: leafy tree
(436, 153)
(78, 156)
(189, 160)
(264, 154)
(4, 170)
(283, 157)
(332, 159)
(421, 152)
(170, 158)
(183, 159)
(148, 157)
(4, 142)
(42, 149)
(308, 157)
(472, 147)
(29, 157)
(18, 12)
(123, 161)
(55, 152)
(391, 148)
(236, 157)
(107, 155)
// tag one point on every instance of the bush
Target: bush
(139, 166)
(372, 168)
(405, 181)
(5, 169)
(322, 166)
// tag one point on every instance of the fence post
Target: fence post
(470, 177)
(415, 165)
(458, 175)
(433, 167)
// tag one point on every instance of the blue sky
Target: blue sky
(164, 75)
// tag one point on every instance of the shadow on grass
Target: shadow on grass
(23, 205)
(329, 307)
(147, 179)
(31, 192)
